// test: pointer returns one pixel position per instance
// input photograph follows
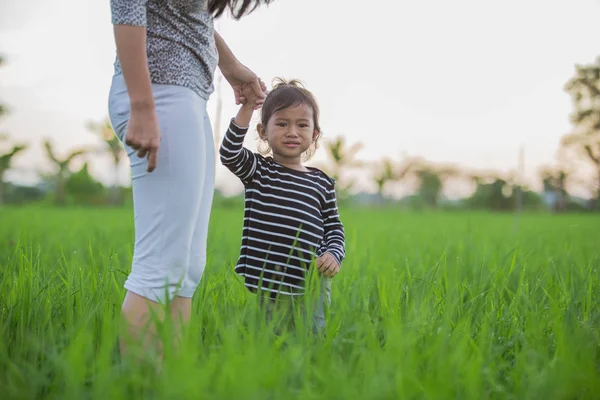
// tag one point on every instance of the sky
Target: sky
(468, 82)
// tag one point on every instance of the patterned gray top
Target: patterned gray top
(180, 40)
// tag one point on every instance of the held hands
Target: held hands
(250, 102)
(248, 97)
(327, 265)
(240, 77)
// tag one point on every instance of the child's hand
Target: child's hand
(250, 102)
(328, 265)
(249, 99)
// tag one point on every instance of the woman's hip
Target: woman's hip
(180, 111)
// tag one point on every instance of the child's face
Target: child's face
(290, 132)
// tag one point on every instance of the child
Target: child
(290, 214)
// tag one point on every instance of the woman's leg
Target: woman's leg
(182, 304)
(166, 203)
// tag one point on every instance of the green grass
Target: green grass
(427, 306)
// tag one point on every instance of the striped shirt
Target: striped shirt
(290, 217)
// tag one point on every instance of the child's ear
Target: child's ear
(261, 131)
(316, 135)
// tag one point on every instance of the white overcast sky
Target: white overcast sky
(463, 81)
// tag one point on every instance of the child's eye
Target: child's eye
(303, 125)
(281, 124)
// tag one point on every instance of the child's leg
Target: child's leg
(281, 311)
(267, 306)
(322, 304)
(277, 311)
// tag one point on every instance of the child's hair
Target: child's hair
(289, 94)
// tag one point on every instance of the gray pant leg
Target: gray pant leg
(284, 308)
(322, 305)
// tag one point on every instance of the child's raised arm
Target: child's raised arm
(233, 154)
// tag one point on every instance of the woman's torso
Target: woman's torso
(180, 43)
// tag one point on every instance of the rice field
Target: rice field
(427, 306)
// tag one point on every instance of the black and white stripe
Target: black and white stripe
(290, 217)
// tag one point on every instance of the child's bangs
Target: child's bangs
(289, 97)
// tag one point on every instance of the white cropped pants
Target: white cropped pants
(171, 204)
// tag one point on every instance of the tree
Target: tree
(430, 180)
(114, 147)
(6, 158)
(584, 89)
(388, 172)
(492, 190)
(343, 157)
(495, 195)
(62, 169)
(3, 109)
(5, 165)
(430, 186)
(385, 174)
(83, 189)
(554, 181)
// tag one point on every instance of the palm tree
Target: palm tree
(116, 150)
(5, 164)
(342, 155)
(343, 158)
(3, 109)
(388, 172)
(385, 174)
(62, 166)
(6, 158)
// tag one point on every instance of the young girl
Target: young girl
(290, 215)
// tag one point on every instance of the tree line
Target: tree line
(492, 190)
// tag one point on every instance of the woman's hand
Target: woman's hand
(143, 134)
(240, 76)
(247, 96)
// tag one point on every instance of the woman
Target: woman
(167, 53)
